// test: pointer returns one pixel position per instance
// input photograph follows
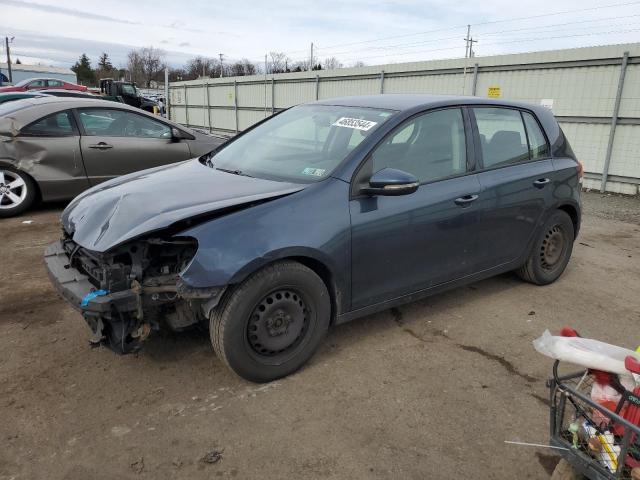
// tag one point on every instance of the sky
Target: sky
(374, 32)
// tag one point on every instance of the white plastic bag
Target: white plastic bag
(585, 352)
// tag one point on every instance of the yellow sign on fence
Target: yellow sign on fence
(494, 92)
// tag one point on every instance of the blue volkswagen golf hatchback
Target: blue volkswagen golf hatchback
(320, 214)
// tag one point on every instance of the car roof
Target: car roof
(411, 101)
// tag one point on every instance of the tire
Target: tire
(272, 323)
(17, 192)
(564, 471)
(551, 251)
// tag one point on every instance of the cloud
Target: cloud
(64, 51)
(65, 11)
(380, 32)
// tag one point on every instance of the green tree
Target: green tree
(82, 68)
(105, 67)
(104, 63)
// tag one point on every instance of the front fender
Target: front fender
(312, 224)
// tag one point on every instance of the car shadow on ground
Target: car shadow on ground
(47, 207)
(167, 346)
(418, 313)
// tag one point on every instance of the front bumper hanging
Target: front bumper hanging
(99, 309)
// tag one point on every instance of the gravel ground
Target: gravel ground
(611, 205)
(428, 390)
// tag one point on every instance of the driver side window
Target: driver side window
(110, 122)
(431, 146)
(37, 84)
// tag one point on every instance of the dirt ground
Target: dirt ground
(429, 390)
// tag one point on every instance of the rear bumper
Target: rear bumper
(74, 286)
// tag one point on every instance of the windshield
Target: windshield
(22, 83)
(303, 144)
(129, 89)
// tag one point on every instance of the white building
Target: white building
(22, 72)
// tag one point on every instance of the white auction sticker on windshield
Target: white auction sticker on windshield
(356, 123)
(316, 172)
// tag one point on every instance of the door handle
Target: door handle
(466, 200)
(541, 182)
(101, 146)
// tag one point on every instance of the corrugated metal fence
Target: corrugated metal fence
(594, 92)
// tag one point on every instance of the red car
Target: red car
(42, 84)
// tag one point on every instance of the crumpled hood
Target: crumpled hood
(132, 205)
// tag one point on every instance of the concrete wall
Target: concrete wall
(580, 85)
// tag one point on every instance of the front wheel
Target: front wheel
(17, 192)
(551, 251)
(272, 323)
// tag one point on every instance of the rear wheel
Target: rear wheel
(551, 251)
(17, 192)
(272, 323)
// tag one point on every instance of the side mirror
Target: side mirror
(176, 134)
(391, 182)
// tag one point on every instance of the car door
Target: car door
(50, 147)
(116, 141)
(516, 178)
(403, 244)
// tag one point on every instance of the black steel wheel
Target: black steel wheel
(553, 247)
(551, 250)
(278, 323)
(271, 324)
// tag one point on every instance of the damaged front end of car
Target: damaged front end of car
(130, 290)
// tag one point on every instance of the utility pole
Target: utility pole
(469, 41)
(7, 42)
(466, 40)
(221, 65)
(471, 52)
(311, 58)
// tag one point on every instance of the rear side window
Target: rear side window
(55, 125)
(502, 136)
(55, 83)
(537, 142)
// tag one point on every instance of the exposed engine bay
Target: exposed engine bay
(139, 286)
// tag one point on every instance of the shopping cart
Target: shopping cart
(593, 440)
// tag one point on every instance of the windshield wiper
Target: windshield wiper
(235, 172)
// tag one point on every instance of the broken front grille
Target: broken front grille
(103, 272)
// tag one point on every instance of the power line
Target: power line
(483, 34)
(326, 51)
(612, 32)
(490, 22)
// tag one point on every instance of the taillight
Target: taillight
(580, 170)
